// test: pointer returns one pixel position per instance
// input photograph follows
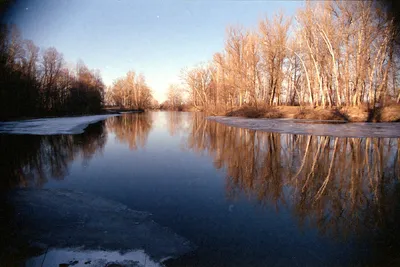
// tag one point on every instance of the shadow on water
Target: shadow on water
(30, 161)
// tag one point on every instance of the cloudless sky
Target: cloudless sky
(156, 38)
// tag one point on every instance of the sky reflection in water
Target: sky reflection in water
(245, 198)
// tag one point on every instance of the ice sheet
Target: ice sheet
(51, 126)
(308, 127)
(91, 258)
(57, 218)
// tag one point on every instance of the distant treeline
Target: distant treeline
(36, 82)
(130, 92)
(329, 54)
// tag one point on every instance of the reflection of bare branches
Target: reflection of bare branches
(321, 190)
(131, 128)
(174, 122)
(32, 160)
(304, 159)
(339, 184)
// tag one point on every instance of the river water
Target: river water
(242, 197)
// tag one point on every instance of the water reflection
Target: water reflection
(131, 129)
(175, 122)
(345, 188)
(29, 160)
(341, 186)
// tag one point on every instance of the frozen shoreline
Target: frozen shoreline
(306, 127)
(51, 126)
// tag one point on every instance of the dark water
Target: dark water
(245, 198)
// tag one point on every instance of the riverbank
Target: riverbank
(312, 127)
(104, 111)
(52, 126)
(345, 114)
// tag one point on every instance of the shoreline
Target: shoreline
(313, 127)
(73, 115)
(52, 126)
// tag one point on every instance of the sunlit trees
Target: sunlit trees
(199, 81)
(130, 92)
(273, 43)
(330, 54)
(174, 97)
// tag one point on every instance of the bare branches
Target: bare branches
(39, 83)
(130, 92)
(337, 53)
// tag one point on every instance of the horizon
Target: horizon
(157, 39)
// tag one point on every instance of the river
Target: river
(241, 197)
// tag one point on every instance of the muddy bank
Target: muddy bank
(309, 127)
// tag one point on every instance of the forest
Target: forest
(329, 55)
(331, 58)
(38, 82)
(35, 82)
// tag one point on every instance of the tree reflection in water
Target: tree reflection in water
(341, 186)
(29, 160)
(132, 129)
(176, 121)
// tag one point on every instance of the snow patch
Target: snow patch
(92, 258)
(306, 127)
(51, 126)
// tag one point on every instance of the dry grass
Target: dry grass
(352, 114)
(357, 114)
(321, 114)
(391, 113)
(252, 112)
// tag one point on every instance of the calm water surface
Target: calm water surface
(245, 198)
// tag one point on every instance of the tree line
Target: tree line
(329, 54)
(36, 81)
(130, 92)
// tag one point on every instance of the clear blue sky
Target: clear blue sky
(156, 38)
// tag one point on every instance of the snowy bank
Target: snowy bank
(304, 127)
(50, 126)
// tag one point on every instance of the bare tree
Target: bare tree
(174, 97)
(131, 92)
